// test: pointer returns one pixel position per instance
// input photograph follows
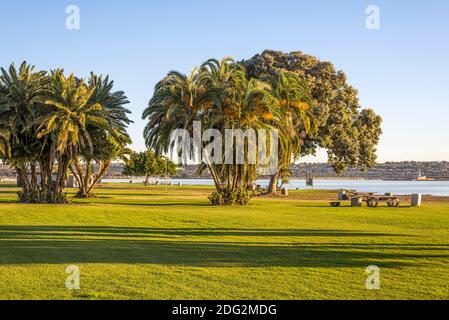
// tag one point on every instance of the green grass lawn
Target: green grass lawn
(168, 243)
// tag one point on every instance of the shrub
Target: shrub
(39, 196)
(229, 197)
(83, 195)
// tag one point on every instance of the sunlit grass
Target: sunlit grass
(166, 242)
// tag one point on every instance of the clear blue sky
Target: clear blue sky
(401, 70)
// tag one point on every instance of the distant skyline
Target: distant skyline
(400, 70)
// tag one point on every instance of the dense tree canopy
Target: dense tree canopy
(350, 135)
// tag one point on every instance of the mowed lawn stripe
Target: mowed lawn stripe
(136, 242)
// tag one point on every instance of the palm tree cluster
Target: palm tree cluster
(52, 124)
(221, 96)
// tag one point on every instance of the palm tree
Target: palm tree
(219, 95)
(294, 102)
(178, 100)
(72, 121)
(242, 104)
(22, 93)
(48, 121)
(5, 127)
(5, 147)
(109, 142)
(113, 103)
(64, 124)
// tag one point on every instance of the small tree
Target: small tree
(148, 164)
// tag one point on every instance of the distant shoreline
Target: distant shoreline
(396, 187)
(8, 178)
(292, 179)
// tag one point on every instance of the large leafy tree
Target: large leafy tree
(350, 135)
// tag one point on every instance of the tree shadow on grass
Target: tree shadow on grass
(71, 245)
(9, 191)
(111, 231)
(152, 204)
(83, 202)
(130, 194)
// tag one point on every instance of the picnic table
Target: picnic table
(373, 200)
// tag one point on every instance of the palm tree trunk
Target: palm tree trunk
(215, 177)
(147, 177)
(272, 187)
(33, 178)
(22, 174)
(87, 176)
(79, 170)
(43, 169)
(104, 167)
(77, 177)
(235, 177)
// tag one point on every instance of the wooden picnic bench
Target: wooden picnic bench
(373, 200)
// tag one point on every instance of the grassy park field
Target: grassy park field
(166, 242)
